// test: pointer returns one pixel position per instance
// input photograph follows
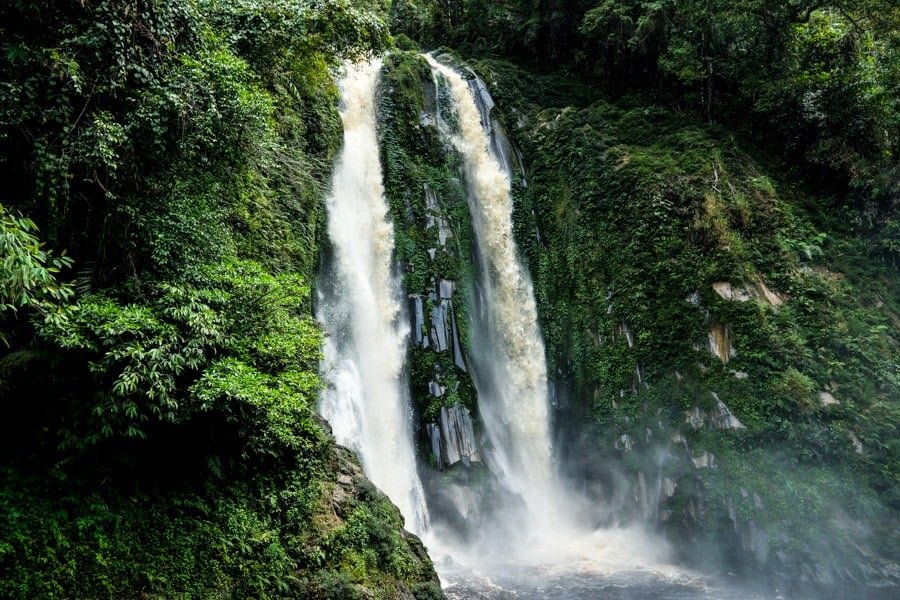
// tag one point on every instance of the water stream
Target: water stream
(367, 399)
(507, 350)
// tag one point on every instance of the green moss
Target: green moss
(639, 211)
(415, 160)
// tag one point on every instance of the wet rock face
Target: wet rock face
(441, 330)
(417, 312)
(458, 358)
(756, 542)
(668, 487)
(719, 417)
(624, 442)
(704, 460)
(757, 290)
(434, 217)
(453, 438)
(640, 497)
(444, 330)
(501, 146)
(719, 343)
(827, 399)
(440, 323)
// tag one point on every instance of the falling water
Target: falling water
(367, 400)
(510, 372)
(508, 352)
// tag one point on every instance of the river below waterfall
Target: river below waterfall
(529, 583)
(536, 583)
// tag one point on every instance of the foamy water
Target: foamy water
(507, 350)
(367, 400)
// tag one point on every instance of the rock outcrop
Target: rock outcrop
(719, 417)
(453, 438)
(751, 291)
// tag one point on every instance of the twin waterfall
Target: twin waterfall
(360, 304)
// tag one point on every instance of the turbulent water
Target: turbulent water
(529, 583)
(541, 584)
(367, 401)
(507, 349)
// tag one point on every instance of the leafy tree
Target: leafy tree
(28, 273)
(821, 77)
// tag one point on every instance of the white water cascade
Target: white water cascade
(508, 351)
(509, 366)
(367, 398)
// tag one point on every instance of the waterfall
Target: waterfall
(367, 396)
(509, 366)
(359, 304)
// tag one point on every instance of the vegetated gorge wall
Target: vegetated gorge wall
(698, 327)
(696, 336)
(722, 348)
(160, 438)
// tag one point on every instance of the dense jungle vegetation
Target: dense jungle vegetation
(163, 168)
(164, 165)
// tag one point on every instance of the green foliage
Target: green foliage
(28, 272)
(815, 80)
(371, 539)
(273, 34)
(416, 19)
(247, 540)
(271, 406)
(427, 591)
(144, 358)
(135, 134)
(640, 211)
(330, 585)
(162, 439)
